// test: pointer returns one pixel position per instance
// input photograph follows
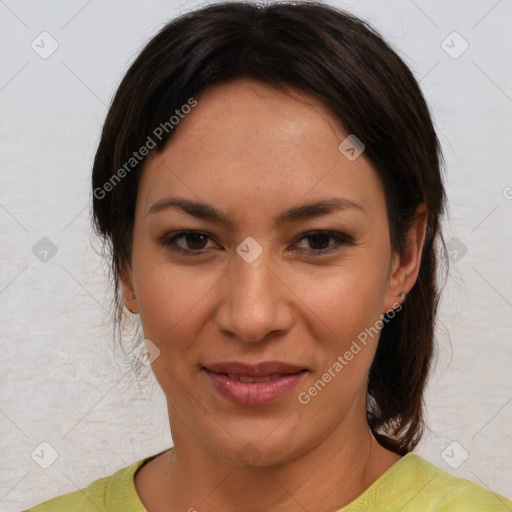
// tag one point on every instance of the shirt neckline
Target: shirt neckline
(126, 479)
(408, 457)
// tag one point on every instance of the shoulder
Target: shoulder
(91, 498)
(437, 490)
(116, 492)
(444, 491)
(415, 485)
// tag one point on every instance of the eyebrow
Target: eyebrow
(207, 211)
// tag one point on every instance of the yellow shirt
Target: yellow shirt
(411, 485)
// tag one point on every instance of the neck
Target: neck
(324, 478)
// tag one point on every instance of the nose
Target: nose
(255, 302)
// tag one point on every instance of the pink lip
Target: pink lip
(284, 378)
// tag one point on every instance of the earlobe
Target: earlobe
(397, 282)
(132, 305)
(130, 300)
(406, 268)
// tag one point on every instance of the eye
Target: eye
(195, 242)
(319, 241)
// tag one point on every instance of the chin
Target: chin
(259, 449)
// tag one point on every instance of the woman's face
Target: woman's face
(261, 287)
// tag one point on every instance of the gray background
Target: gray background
(61, 383)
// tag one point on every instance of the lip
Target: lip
(277, 380)
(254, 370)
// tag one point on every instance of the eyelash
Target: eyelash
(168, 241)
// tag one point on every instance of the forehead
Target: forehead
(249, 145)
(266, 118)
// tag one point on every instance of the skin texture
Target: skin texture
(253, 151)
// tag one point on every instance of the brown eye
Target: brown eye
(195, 241)
(319, 242)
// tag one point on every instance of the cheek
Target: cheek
(347, 298)
(170, 297)
(171, 305)
(349, 304)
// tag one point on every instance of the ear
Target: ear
(130, 301)
(405, 269)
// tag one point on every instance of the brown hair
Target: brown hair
(344, 63)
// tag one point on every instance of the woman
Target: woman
(268, 186)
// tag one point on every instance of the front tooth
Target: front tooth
(266, 378)
(246, 378)
(232, 376)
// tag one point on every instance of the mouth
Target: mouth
(252, 385)
(248, 378)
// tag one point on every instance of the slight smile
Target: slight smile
(252, 385)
